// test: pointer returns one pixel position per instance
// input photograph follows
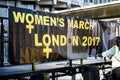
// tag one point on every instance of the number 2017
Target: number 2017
(90, 41)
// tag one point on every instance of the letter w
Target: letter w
(18, 16)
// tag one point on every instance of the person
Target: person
(114, 53)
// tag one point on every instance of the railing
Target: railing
(93, 2)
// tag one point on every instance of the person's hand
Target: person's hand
(99, 55)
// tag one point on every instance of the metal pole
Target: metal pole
(70, 63)
(53, 75)
(2, 42)
(73, 77)
(33, 66)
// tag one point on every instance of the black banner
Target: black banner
(37, 36)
